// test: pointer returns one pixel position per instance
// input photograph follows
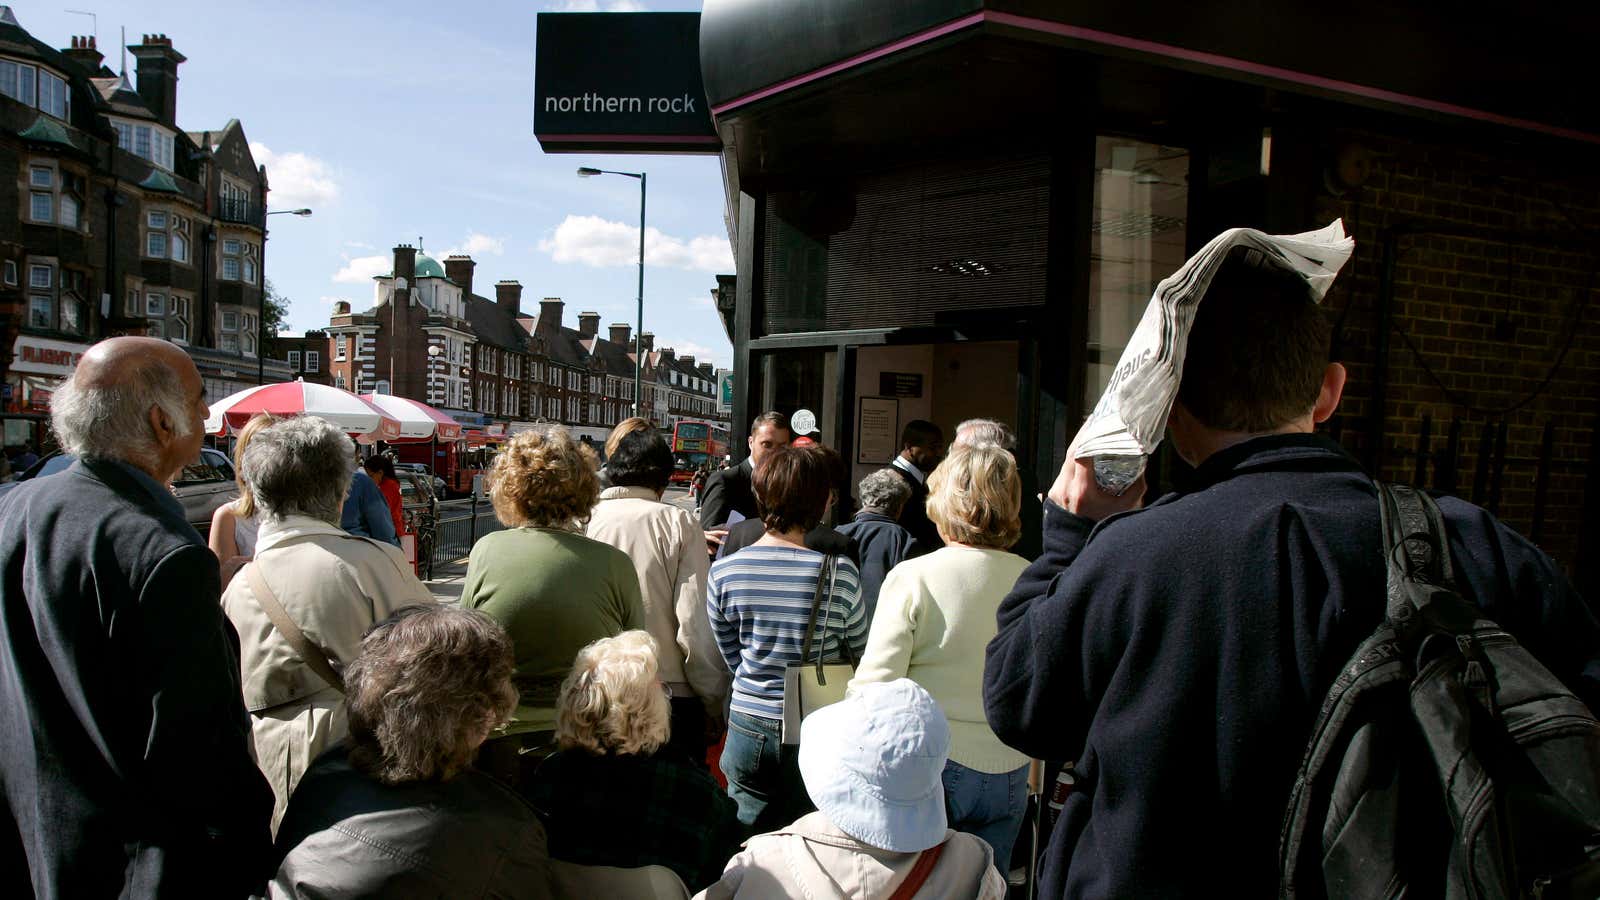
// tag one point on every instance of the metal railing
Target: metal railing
(233, 209)
(461, 523)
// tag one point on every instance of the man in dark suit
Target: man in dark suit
(124, 743)
(728, 490)
(921, 449)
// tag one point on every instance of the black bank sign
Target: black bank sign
(621, 82)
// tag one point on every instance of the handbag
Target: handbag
(809, 686)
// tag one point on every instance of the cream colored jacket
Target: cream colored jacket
(668, 549)
(814, 860)
(334, 587)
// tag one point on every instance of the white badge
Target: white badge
(804, 421)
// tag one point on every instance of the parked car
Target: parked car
(204, 484)
(422, 469)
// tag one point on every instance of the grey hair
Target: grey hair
(113, 422)
(299, 466)
(884, 490)
(986, 431)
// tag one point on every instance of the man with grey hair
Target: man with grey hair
(124, 749)
(881, 542)
(330, 586)
(974, 432)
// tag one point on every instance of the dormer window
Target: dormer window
(146, 141)
(36, 87)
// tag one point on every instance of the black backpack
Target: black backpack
(1446, 761)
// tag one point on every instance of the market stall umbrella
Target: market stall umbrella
(418, 421)
(345, 410)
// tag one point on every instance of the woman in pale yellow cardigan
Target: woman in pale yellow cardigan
(936, 613)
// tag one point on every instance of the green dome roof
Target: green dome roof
(428, 267)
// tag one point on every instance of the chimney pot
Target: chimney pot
(508, 296)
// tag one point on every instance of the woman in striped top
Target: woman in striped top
(759, 600)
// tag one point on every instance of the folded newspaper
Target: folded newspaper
(1128, 422)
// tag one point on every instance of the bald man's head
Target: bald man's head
(139, 400)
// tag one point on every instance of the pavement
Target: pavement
(447, 579)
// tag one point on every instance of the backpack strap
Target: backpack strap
(1416, 549)
(312, 655)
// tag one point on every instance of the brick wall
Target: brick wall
(1496, 326)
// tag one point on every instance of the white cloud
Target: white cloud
(479, 245)
(359, 245)
(597, 6)
(295, 179)
(361, 269)
(700, 352)
(601, 243)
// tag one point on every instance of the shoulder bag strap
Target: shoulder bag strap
(311, 655)
(926, 860)
(816, 603)
(1416, 550)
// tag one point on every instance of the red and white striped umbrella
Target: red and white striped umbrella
(418, 421)
(345, 410)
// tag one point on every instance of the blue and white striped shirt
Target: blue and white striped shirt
(759, 600)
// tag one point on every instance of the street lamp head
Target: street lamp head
(585, 172)
(435, 351)
(302, 212)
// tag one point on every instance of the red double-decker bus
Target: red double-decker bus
(695, 444)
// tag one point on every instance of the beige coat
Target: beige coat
(334, 587)
(668, 550)
(812, 859)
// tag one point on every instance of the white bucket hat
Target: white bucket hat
(873, 763)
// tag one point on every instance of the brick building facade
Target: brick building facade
(124, 223)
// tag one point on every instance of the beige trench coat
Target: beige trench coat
(814, 860)
(668, 550)
(334, 587)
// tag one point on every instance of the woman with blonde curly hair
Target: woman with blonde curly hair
(553, 589)
(614, 757)
(935, 616)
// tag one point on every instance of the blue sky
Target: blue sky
(400, 120)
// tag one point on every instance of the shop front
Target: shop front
(943, 209)
(38, 366)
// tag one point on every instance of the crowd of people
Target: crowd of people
(624, 700)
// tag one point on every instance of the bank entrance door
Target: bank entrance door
(863, 394)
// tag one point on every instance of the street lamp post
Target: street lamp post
(434, 352)
(638, 334)
(261, 311)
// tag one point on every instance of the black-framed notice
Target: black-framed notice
(877, 430)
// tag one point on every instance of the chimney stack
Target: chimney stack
(508, 295)
(157, 73)
(588, 324)
(83, 53)
(459, 269)
(622, 335)
(647, 339)
(687, 360)
(707, 371)
(405, 264)
(550, 317)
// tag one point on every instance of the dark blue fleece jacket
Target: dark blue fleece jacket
(1180, 653)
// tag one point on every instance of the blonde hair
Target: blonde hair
(624, 428)
(975, 496)
(245, 506)
(611, 701)
(546, 480)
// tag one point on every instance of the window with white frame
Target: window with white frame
(338, 380)
(166, 236)
(294, 360)
(339, 348)
(155, 305)
(232, 259)
(11, 273)
(229, 342)
(382, 387)
(146, 141)
(230, 320)
(247, 332)
(313, 361)
(37, 87)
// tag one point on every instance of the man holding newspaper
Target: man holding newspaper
(1179, 653)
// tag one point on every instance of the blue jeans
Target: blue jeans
(763, 774)
(991, 806)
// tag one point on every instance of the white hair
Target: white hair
(986, 431)
(113, 422)
(884, 491)
(611, 702)
(298, 466)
